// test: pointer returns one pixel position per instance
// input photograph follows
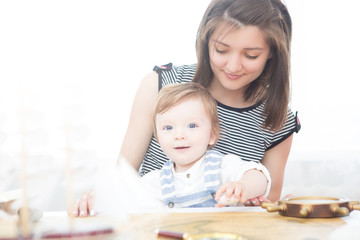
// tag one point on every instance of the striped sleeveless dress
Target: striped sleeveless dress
(241, 133)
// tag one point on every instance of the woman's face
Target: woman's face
(237, 57)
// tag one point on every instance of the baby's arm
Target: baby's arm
(252, 184)
(242, 180)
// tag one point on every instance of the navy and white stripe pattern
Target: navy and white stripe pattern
(203, 198)
(241, 134)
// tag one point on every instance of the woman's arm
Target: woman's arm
(140, 129)
(275, 161)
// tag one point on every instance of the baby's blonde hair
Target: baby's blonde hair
(173, 94)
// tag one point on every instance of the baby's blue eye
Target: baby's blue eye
(192, 125)
(168, 128)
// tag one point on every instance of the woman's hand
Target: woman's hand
(256, 201)
(84, 206)
(259, 200)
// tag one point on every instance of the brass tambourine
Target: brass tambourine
(313, 207)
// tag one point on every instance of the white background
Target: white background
(69, 71)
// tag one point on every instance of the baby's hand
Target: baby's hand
(224, 202)
(230, 194)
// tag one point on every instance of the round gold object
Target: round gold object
(313, 206)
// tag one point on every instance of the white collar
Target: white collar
(195, 169)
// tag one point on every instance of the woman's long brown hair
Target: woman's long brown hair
(273, 19)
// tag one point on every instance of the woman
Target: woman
(243, 51)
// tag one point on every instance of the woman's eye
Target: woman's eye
(219, 51)
(192, 125)
(168, 128)
(251, 56)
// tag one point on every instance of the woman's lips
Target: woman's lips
(232, 76)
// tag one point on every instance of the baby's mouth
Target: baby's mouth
(181, 148)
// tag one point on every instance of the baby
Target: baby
(186, 126)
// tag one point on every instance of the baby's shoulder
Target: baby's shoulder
(231, 157)
(232, 161)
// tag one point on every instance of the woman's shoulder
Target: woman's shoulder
(170, 73)
(177, 68)
(186, 69)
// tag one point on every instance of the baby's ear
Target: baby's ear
(212, 140)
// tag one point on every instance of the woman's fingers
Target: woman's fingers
(84, 206)
(74, 210)
(289, 195)
(263, 199)
(90, 201)
(256, 201)
(252, 202)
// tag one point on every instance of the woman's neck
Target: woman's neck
(235, 99)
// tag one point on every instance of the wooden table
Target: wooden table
(252, 225)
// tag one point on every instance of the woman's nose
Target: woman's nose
(234, 63)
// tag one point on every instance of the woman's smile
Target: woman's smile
(233, 76)
(237, 58)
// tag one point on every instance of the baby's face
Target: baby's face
(184, 133)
